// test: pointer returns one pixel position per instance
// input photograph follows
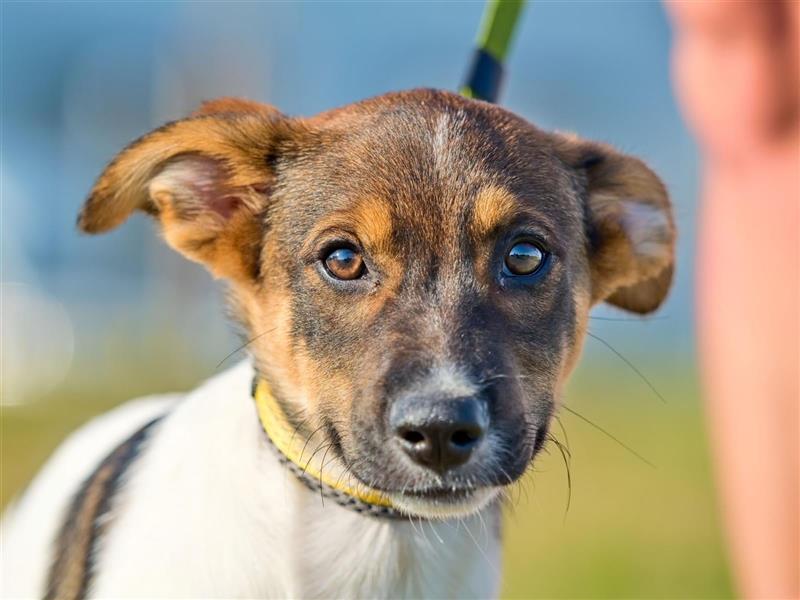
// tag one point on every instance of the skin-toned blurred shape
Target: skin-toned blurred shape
(736, 67)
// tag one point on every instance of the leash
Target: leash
(307, 461)
(485, 76)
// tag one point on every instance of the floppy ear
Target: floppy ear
(630, 226)
(206, 179)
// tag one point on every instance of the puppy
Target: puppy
(414, 274)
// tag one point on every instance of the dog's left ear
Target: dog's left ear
(206, 180)
(630, 226)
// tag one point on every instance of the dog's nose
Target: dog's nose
(439, 434)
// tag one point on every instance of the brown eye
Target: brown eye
(345, 263)
(524, 258)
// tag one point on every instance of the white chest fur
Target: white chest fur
(208, 511)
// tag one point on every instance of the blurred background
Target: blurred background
(90, 322)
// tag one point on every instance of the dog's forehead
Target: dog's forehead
(435, 138)
(426, 157)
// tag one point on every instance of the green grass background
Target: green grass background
(631, 531)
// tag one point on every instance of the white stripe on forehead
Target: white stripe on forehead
(443, 142)
(451, 160)
(440, 135)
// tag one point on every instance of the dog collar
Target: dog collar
(306, 459)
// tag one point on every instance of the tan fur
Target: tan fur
(373, 218)
(122, 188)
(236, 146)
(235, 105)
(574, 347)
(493, 207)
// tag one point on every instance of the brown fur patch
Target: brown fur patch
(614, 181)
(71, 572)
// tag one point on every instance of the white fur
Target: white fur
(647, 227)
(208, 511)
(441, 134)
(29, 525)
(446, 381)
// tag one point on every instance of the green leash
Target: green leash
(485, 75)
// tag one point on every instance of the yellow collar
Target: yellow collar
(305, 459)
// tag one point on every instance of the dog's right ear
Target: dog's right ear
(205, 179)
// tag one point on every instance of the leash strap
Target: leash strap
(485, 76)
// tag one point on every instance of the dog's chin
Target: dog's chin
(444, 504)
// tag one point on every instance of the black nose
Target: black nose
(439, 434)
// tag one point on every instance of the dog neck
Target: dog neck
(363, 544)
(306, 460)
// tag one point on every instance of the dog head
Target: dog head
(415, 270)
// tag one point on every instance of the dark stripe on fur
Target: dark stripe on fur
(73, 567)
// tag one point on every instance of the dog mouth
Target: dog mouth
(444, 503)
(443, 494)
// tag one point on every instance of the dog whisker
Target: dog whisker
(321, 469)
(609, 435)
(484, 528)
(566, 456)
(300, 459)
(557, 419)
(243, 346)
(435, 533)
(629, 319)
(297, 430)
(322, 445)
(629, 363)
(482, 552)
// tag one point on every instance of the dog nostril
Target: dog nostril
(439, 434)
(463, 438)
(412, 437)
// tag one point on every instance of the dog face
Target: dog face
(415, 271)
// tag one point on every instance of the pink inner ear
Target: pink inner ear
(197, 184)
(224, 206)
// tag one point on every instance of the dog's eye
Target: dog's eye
(344, 263)
(524, 258)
